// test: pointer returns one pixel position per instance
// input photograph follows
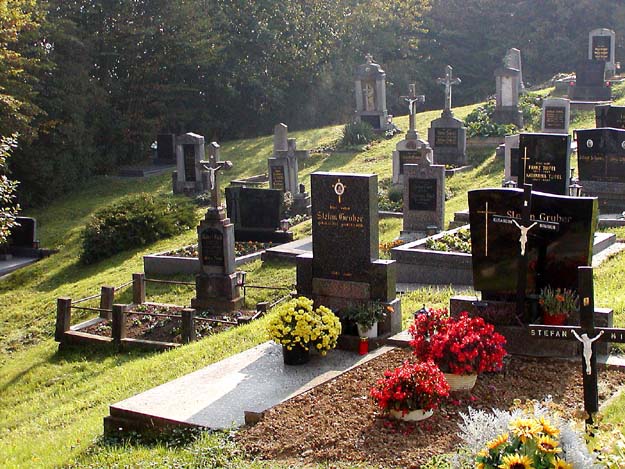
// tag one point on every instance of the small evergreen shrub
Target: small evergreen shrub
(480, 124)
(357, 133)
(134, 221)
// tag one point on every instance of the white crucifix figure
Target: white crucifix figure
(587, 342)
(448, 81)
(212, 166)
(523, 237)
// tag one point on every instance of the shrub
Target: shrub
(357, 133)
(480, 124)
(134, 221)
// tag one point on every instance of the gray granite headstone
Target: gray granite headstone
(507, 97)
(188, 175)
(556, 115)
(601, 46)
(513, 60)
(370, 90)
(424, 198)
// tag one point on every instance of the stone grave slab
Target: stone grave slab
(590, 82)
(607, 115)
(556, 116)
(219, 396)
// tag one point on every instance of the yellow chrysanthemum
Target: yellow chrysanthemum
(548, 445)
(562, 464)
(497, 442)
(480, 465)
(516, 461)
(525, 429)
(483, 453)
(548, 428)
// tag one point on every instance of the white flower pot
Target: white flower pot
(460, 382)
(412, 416)
(371, 333)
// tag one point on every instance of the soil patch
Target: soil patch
(338, 421)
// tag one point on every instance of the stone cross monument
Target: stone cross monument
(211, 167)
(448, 81)
(413, 99)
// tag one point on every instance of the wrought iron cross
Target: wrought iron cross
(212, 166)
(448, 81)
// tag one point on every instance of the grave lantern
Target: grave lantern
(285, 225)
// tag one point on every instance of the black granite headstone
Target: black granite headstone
(560, 241)
(252, 208)
(24, 235)
(422, 194)
(610, 116)
(345, 225)
(212, 247)
(601, 154)
(189, 162)
(601, 48)
(166, 148)
(544, 162)
(590, 73)
(445, 137)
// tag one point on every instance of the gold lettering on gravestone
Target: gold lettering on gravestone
(445, 137)
(554, 117)
(601, 52)
(277, 177)
(542, 171)
(408, 157)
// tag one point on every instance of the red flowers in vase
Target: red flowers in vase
(411, 386)
(462, 345)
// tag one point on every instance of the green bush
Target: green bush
(134, 221)
(357, 133)
(480, 124)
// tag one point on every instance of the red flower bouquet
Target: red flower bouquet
(463, 345)
(410, 387)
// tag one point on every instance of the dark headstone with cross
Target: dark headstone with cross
(545, 162)
(587, 334)
(447, 135)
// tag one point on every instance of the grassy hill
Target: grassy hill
(53, 402)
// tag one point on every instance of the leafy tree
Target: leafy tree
(8, 207)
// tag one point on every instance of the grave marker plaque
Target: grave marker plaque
(422, 194)
(560, 241)
(259, 208)
(555, 117)
(445, 137)
(601, 48)
(544, 162)
(345, 225)
(408, 157)
(610, 116)
(277, 177)
(189, 162)
(212, 247)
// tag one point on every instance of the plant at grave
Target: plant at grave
(357, 133)
(464, 345)
(479, 123)
(366, 314)
(286, 203)
(529, 436)
(558, 302)
(385, 248)
(297, 324)
(134, 221)
(390, 198)
(459, 241)
(409, 387)
(531, 107)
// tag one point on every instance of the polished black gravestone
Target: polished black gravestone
(601, 166)
(166, 149)
(24, 233)
(590, 82)
(544, 161)
(558, 241)
(600, 48)
(256, 214)
(610, 116)
(344, 225)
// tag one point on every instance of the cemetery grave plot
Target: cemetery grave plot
(241, 248)
(338, 421)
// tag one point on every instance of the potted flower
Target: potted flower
(411, 391)
(299, 327)
(366, 316)
(557, 305)
(462, 347)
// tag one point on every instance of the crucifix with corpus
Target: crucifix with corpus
(211, 167)
(413, 99)
(448, 81)
(587, 334)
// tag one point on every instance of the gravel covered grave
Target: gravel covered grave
(338, 421)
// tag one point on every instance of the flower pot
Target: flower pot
(370, 333)
(554, 319)
(412, 416)
(296, 356)
(460, 382)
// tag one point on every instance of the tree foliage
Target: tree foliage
(8, 208)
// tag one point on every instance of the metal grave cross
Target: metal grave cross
(212, 166)
(587, 334)
(413, 99)
(448, 81)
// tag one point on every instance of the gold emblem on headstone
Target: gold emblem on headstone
(339, 189)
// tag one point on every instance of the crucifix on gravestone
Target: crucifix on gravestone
(212, 166)
(587, 334)
(448, 81)
(413, 99)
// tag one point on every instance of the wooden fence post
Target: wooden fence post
(138, 289)
(188, 325)
(118, 328)
(107, 297)
(63, 317)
